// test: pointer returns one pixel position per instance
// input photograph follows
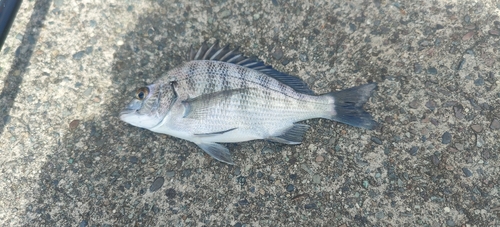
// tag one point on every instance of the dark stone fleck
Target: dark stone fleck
(310, 206)
(435, 160)
(186, 173)
(243, 202)
(157, 184)
(439, 26)
(376, 140)
(133, 159)
(479, 82)
(237, 171)
(417, 68)
(278, 53)
(446, 139)
(477, 128)
(78, 55)
(461, 64)
(413, 151)
(260, 174)
(495, 124)
(84, 223)
(238, 224)
(275, 2)
(431, 105)
(352, 27)
(293, 176)
(290, 188)
(303, 57)
(241, 180)
(285, 61)
(89, 50)
(450, 223)
(74, 124)
(494, 32)
(170, 193)
(467, 172)
(432, 71)
(467, 19)
(414, 104)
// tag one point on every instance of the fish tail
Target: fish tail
(348, 106)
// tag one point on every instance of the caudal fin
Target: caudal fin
(349, 106)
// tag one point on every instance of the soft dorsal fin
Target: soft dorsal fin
(225, 54)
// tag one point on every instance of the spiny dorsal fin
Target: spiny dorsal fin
(225, 54)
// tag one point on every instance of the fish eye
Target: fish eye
(141, 93)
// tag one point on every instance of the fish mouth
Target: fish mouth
(127, 111)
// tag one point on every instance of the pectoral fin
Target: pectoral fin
(199, 107)
(217, 151)
(214, 133)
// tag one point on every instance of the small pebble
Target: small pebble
(303, 57)
(479, 82)
(316, 179)
(432, 71)
(446, 138)
(225, 14)
(467, 172)
(414, 104)
(170, 174)
(495, 124)
(376, 140)
(84, 223)
(435, 160)
(380, 215)
(290, 188)
(467, 19)
(78, 55)
(494, 32)
(319, 158)
(468, 36)
(461, 64)
(431, 105)
(170, 193)
(413, 151)
(243, 202)
(74, 124)
(157, 184)
(278, 53)
(310, 206)
(417, 68)
(477, 128)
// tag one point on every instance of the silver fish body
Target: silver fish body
(220, 96)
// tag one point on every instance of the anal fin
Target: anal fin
(217, 151)
(292, 135)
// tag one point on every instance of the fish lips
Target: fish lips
(132, 109)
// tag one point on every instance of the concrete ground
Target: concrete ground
(68, 67)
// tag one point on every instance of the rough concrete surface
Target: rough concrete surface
(68, 67)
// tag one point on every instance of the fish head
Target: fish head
(149, 106)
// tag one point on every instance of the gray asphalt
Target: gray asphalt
(68, 67)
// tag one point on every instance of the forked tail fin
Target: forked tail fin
(349, 106)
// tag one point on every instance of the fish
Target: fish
(218, 95)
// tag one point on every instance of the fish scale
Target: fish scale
(221, 96)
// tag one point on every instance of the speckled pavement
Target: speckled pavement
(68, 67)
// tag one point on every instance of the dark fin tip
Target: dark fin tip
(349, 106)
